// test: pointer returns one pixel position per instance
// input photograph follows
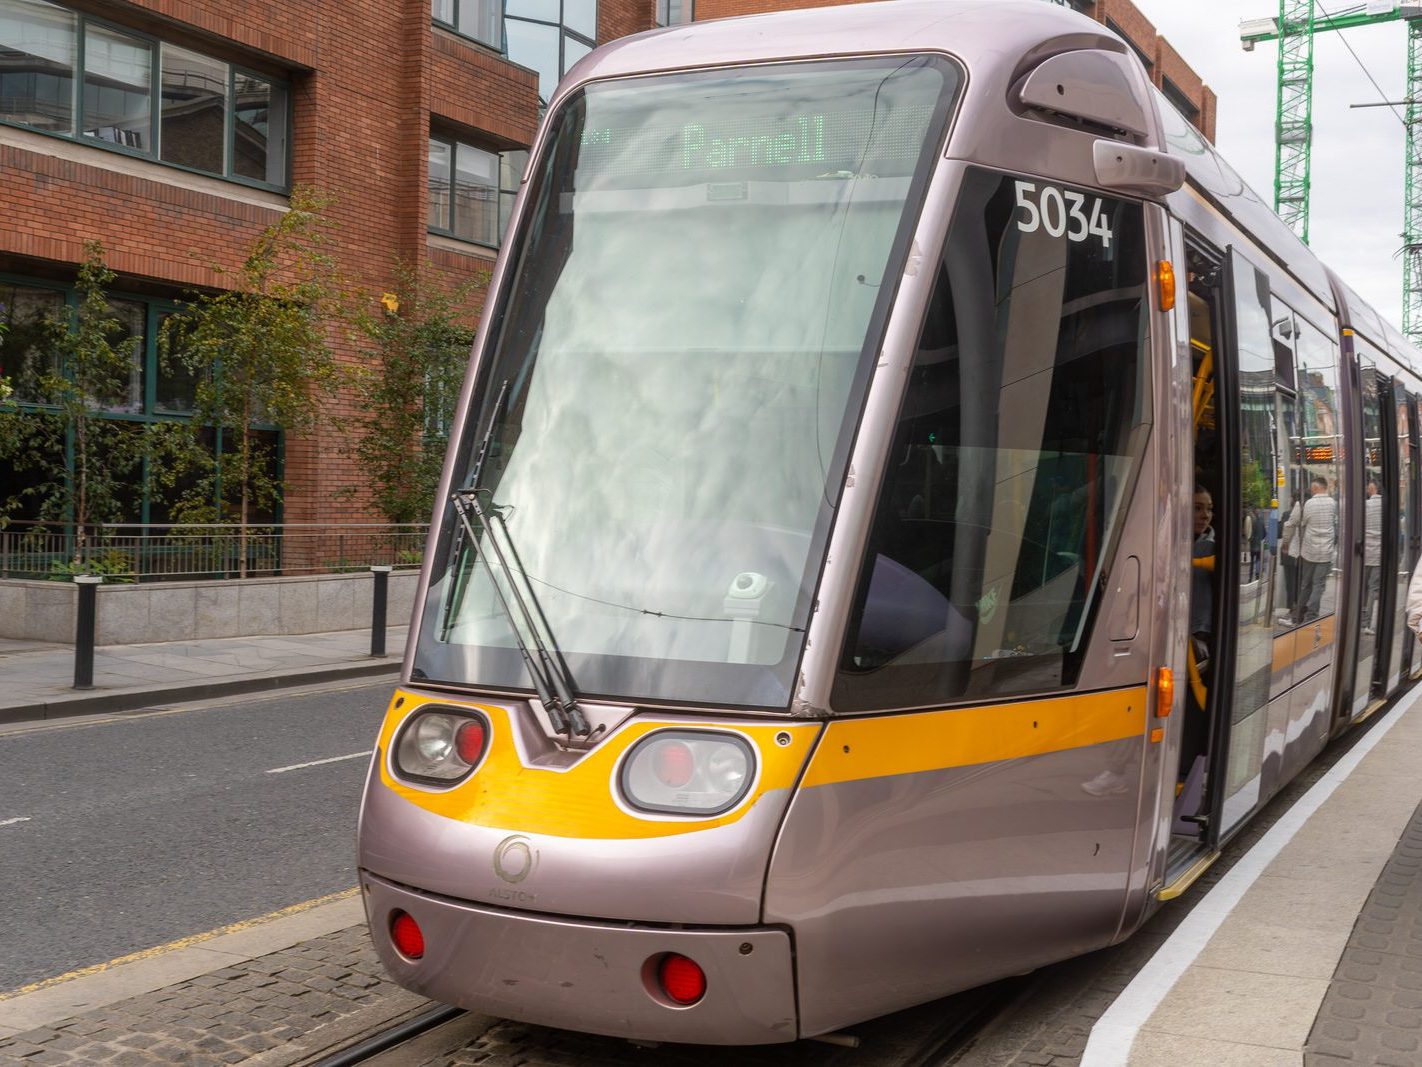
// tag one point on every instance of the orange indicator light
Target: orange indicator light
(1157, 735)
(1164, 692)
(1165, 279)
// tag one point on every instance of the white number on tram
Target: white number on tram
(1061, 212)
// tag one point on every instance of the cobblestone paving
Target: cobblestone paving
(1373, 1010)
(252, 1013)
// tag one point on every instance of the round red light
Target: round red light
(469, 741)
(406, 934)
(674, 764)
(683, 981)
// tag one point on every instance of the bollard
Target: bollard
(85, 622)
(377, 609)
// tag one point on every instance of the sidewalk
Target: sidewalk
(36, 680)
(1309, 950)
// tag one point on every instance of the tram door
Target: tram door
(1370, 640)
(1394, 651)
(1407, 657)
(1254, 427)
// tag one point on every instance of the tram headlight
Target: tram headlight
(687, 772)
(440, 746)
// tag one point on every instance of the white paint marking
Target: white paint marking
(1115, 1032)
(12, 822)
(318, 762)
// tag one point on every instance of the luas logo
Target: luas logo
(514, 859)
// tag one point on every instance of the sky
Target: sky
(1355, 220)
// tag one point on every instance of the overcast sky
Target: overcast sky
(1356, 213)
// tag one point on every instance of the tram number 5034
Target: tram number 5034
(1061, 212)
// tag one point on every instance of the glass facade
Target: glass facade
(65, 73)
(549, 36)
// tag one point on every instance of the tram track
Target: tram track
(940, 1034)
(375, 1048)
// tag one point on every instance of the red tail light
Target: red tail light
(674, 764)
(408, 937)
(682, 980)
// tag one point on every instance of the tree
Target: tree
(407, 388)
(83, 464)
(259, 353)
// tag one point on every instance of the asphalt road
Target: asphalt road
(122, 834)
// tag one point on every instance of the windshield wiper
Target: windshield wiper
(546, 666)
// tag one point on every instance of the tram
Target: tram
(819, 617)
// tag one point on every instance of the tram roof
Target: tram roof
(967, 28)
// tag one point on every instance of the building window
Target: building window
(38, 55)
(1182, 102)
(675, 12)
(36, 317)
(471, 190)
(511, 168)
(479, 19)
(549, 36)
(193, 127)
(65, 73)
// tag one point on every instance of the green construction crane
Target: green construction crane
(1294, 29)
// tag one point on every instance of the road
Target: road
(137, 830)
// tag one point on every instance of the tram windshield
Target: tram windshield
(699, 285)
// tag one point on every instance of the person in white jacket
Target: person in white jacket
(1372, 554)
(1414, 603)
(1318, 537)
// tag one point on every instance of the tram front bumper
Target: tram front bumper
(589, 976)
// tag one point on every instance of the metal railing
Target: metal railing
(137, 552)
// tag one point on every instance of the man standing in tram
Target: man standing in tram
(1318, 537)
(1372, 554)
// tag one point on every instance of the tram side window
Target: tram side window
(1014, 450)
(1314, 470)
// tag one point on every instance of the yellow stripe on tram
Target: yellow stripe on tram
(880, 747)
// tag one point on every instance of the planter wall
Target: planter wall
(189, 611)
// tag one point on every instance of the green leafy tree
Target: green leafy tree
(259, 353)
(408, 387)
(83, 466)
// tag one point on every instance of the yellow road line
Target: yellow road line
(186, 942)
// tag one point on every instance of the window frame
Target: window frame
(76, 135)
(498, 45)
(564, 32)
(662, 15)
(501, 218)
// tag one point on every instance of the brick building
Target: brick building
(173, 131)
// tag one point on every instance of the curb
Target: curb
(129, 699)
(110, 984)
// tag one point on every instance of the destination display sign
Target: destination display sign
(784, 126)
